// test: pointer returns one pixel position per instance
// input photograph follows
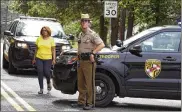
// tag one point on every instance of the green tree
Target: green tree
(148, 13)
(145, 13)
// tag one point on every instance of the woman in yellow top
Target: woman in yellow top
(44, 57)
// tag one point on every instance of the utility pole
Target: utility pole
(122, 24)
(103, 30)
(6, 17)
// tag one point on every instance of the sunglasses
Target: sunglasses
(84, 20)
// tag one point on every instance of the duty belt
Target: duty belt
(84, 56)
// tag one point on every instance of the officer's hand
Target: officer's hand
(92, 58)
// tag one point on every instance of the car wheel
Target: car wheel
(105, 89)
(11, 68)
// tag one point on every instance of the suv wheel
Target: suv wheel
(11, 68)
(105, 89)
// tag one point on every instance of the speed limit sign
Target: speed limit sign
(110, 9)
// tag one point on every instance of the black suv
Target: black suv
(19, 41)
(135, 67)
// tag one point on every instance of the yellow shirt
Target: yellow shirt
(44, 48)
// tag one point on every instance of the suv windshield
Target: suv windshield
(32, 28)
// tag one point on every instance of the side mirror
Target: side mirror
(119, 43)
(71, 37)
(136, 50)
(8, 33)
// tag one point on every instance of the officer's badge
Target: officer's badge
(153, 67)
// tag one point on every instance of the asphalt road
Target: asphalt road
(19, 92)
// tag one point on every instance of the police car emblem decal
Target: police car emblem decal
(153, 67)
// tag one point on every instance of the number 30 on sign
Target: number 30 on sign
(110, 9)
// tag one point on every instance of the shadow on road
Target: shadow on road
(142, 107)
(64, 102)
(125, 106)
(24, 73)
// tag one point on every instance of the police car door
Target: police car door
(155, 71)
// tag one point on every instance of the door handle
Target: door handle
(169, 59)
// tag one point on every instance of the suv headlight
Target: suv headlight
(21, 45)
(66, 47)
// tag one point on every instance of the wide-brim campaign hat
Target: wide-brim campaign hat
(85, 17)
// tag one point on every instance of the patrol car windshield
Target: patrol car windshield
(139, 35)
(32, 28)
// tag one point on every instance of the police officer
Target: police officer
(89, 43)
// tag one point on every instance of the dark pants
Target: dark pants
(43, 69)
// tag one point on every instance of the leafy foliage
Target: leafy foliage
(147, 13)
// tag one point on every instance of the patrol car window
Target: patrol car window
(162, 42)
(140, 35)
(32, 28)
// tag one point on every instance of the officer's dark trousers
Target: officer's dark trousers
(43, 69)
(86, 82)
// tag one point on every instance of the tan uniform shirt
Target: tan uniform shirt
(88, 41)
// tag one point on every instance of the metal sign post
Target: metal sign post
(110, 11)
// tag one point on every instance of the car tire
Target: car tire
(105, 89)
(11, 68)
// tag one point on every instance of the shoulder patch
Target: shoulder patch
(95, 35)
(80, 34)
